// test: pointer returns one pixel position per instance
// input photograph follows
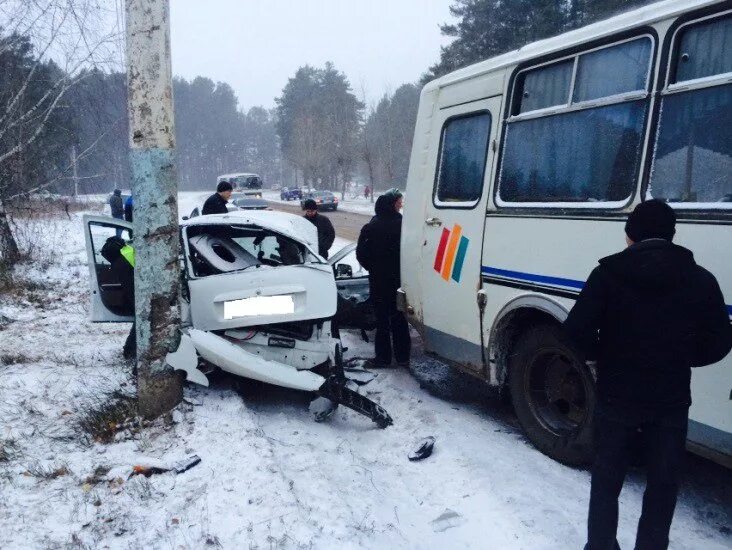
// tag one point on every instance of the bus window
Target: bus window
(581, 152)
(692, 164)
(546, 87)
(461, 164)
(627, 63)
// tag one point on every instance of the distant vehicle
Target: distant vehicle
(250, 184)
(524, 169)
(288, 194)
(244, 202)
(324, 199)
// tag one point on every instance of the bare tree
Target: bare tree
(68, 36)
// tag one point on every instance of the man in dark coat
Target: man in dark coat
(378, 251)
(216, 203)
(117, 205)
(326, 233)
(647, 315)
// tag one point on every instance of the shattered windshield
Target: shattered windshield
(216, 249)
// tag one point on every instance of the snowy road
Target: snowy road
(270, 477)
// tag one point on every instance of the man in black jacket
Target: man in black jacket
(378, 251)
(116, 204)
(647, 315)
(216, 203)
(326, 233)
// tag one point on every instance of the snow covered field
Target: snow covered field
(269, 476)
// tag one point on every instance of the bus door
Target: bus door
(453, 231)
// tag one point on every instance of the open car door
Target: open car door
(355, 310)
(107, 304)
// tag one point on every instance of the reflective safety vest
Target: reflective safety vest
(128, 253)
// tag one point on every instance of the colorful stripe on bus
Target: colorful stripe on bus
(451, 252)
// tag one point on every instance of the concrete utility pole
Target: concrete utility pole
(155, 191)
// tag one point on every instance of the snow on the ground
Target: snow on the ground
(358, 205)
(269, 476)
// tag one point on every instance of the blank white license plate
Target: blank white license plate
(259, 305)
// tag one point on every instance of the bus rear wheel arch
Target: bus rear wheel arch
(553, 394)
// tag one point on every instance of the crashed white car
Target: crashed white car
(257, 302)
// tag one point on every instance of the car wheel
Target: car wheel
(553, 394)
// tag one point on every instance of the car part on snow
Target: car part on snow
(178, 467)
(360, 376)
(423, 450)
(322, 408)
(186, 359)
(335, 390)
(187, 464)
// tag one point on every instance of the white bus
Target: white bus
(523, 171)
(248, 184)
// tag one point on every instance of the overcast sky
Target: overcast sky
(256, 45)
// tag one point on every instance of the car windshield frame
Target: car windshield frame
(309, 256)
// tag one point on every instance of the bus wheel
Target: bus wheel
(553, 394)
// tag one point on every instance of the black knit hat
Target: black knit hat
(652, 219)
(224, 186)
(309, 204)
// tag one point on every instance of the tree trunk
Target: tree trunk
(155, 220)
(9, 252)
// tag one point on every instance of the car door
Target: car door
(106, 300)
(355, 309)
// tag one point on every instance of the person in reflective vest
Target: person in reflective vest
(121, 255)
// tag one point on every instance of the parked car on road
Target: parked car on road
(324, 199)
(249, 203)
(290, 194)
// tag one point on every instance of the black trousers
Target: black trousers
(130, 348)
(663, 439)
(392, 330)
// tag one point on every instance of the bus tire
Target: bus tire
(553, 394)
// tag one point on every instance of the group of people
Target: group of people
(646, 316)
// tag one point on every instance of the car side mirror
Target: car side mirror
(344, 271)
(185, 218)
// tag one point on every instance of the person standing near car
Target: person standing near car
(216, 203)
(647, 315)
(326, 233)
(116, 205)
(128, 209)
(378, 251)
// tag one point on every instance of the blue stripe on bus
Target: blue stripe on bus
(534, 278)
(571, 283)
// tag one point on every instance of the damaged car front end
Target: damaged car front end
(257, 302)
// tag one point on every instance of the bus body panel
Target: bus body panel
(538, 258)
